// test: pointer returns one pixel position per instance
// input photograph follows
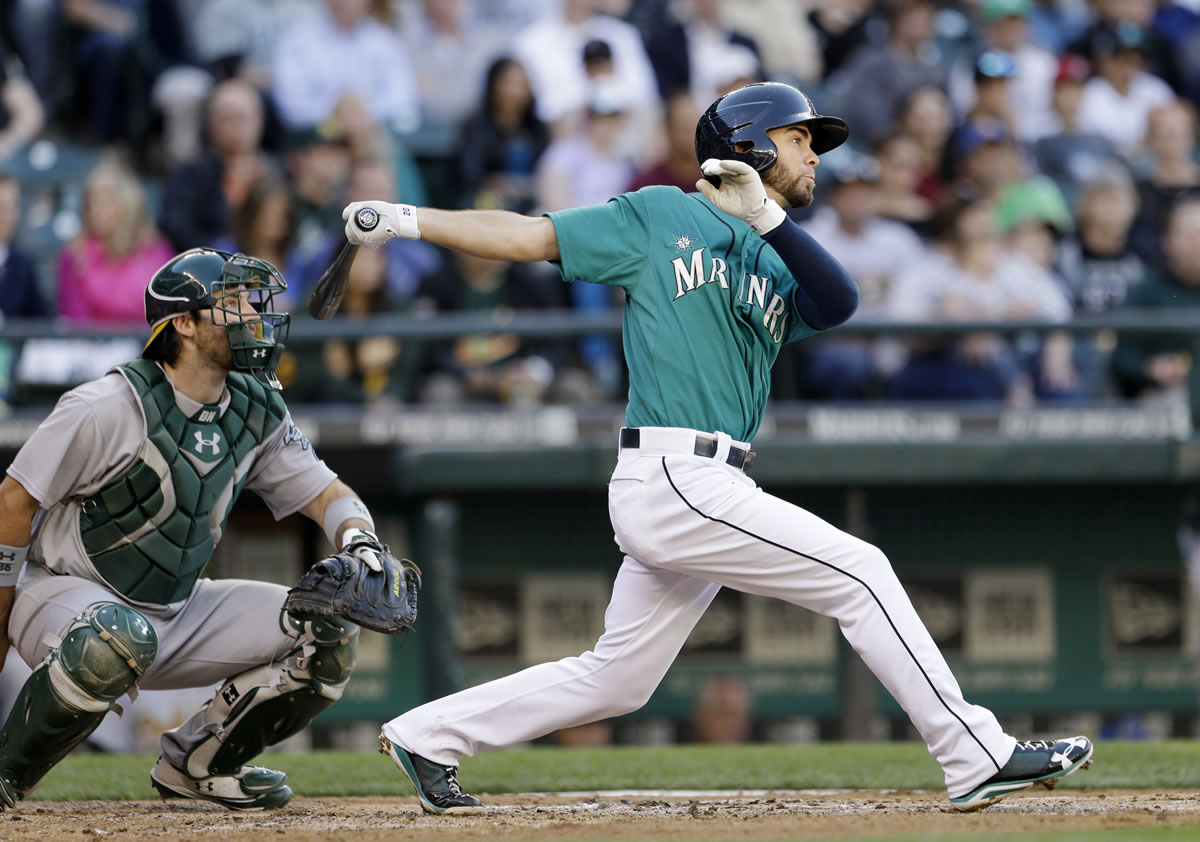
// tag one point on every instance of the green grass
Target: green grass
(1138, 765)
(1141, 834)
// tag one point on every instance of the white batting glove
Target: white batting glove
(741, 194)
(390, 221)
(364, 544)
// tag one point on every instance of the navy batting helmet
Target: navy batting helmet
(735, 126)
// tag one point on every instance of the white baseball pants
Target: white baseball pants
(689, 525)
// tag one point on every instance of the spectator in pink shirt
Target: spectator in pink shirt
(102, 274)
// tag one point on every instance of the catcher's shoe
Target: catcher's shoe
(1032, 762)
(252, 788)
(8, 794)
(437, 786)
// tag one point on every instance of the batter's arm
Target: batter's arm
(491, 234)
(826, 295)
(17, 508)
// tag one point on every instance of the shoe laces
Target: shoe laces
(1035, 745)
(452, 780)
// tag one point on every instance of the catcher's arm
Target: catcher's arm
(347, 522)
(362, 582)
(17, 508)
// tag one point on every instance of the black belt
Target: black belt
(739, 457)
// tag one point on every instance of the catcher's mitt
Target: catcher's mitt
(343, 585)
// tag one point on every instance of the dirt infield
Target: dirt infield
(606, 815)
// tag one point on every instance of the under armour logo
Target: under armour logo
(8, 556)
(230, 694)
(201, 443)
(1064, 758)
(259, 352)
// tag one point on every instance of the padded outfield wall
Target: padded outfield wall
(1039, 547)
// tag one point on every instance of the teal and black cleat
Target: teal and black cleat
(437, 786)
(1033, 762)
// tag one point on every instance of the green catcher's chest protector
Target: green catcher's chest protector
(151, 531)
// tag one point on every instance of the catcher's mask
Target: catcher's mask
(238, 291)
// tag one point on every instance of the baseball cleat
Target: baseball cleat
(437, 786)
(252, 788)
(1042, 762)
(8, 794)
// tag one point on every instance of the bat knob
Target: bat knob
(366, 219)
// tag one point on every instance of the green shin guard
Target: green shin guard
(101, 656)
(267, 704)
(41, 730)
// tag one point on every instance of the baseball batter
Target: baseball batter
(117, 502)
(715, 283)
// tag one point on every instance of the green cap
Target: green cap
(994, 10)
(1038, 199)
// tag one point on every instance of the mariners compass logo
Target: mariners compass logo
(683, 242)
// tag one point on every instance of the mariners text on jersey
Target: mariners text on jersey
(752, 289)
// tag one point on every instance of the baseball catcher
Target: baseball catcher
(113, 508)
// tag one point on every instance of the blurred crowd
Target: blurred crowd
(1009, 159)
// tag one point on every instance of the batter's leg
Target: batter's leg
(712, 522)
(650, 615)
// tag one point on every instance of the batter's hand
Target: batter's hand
(394, 221)
(741, 194)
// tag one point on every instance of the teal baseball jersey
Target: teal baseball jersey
(708, 305)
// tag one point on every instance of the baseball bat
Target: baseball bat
(327, 295)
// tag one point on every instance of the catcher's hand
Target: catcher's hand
(366, 545)
(741, 194)
(345, 585)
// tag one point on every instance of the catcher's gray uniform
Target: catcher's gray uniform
(97, 437)
(93, 435)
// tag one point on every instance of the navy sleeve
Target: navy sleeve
(826, 295)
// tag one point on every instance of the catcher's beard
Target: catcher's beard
(796, 191)
(212, 341)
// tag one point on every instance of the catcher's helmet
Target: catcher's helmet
(735, 126)
(207, 279)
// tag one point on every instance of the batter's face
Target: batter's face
(792, 179)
